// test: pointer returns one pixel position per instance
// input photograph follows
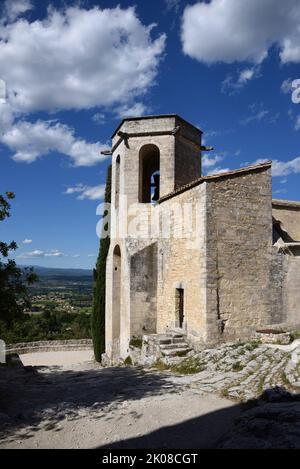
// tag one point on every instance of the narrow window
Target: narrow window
(180, 306)
(117, 182)
(149, 175)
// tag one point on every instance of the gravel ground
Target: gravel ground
(64, 359)
(55, 405)
(86, 406)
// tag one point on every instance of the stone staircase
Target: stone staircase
(170, 344)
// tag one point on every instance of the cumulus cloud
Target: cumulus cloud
(230, 30)
(217, 170)
(29, 141)
(87, 192)
(15, 8)
(73, 59)
(283, 168)
(78, 59)
(134, 110)
(30, 254)
(27, 241)
(208, 161)
(54, 253)
(37, 253)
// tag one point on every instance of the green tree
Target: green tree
(98, 313)
(13, 280)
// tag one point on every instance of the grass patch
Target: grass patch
(236, 345)
(128, 361)
(189, 366)
(160, 365)
(136, 342)
(224, 392)
(295, 335)
(252, 345)
(284, 379)
(260, 387)
(237, 366)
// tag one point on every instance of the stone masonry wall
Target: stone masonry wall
(292, 291)
(239, 240)
(182, 264)
(143, 290)
(290, 219)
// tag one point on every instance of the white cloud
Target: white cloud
(208, 161)
(99, 118)
(230, 30)
(78, 59)
(297, 122)
(134, 110)
(15, 8)
(91, 255)
(75, 256)
(73, 59)
(286, 86)
(283, 168)
(54, 253)
(40, 254)
(29, 141)
(217, 170)
(30, 254)
(87, 192)
(172, 5)
(258, 113)
(27, 241)
(234, 84)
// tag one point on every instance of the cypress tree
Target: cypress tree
(98, 313)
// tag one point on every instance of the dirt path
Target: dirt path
(64, 359)
(85, 406)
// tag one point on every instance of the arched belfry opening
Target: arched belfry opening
(149, 174)
(116, 310)
(117, 182)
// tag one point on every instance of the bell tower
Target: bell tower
(144, 148)
(151, 157)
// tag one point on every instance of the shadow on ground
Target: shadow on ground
(32, 399)
(30, 396)
(270, 422)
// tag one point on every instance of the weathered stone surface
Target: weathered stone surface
(211, 238)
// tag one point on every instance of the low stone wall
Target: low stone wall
(49, 346)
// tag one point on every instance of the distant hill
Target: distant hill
(57, 272)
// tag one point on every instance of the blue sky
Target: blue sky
(72, 70)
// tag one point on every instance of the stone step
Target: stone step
(174, 346)
(178, 340)
(176, 351)
(176, 335)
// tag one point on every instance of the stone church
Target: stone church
(212, 256)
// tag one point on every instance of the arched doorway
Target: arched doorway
(116, 310)
(149, 176)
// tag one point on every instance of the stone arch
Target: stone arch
(149, 177)
(116, 309)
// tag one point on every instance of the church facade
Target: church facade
(212, 256)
